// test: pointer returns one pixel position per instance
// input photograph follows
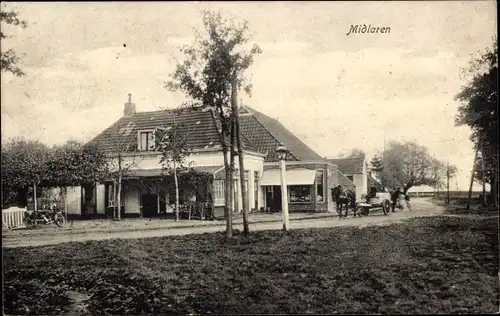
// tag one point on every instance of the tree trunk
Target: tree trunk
(34, 197)
(176, 193)
(116, 197)
(65, 197)
(228, 202)
(222, 138)
(119, 198)
(244, 196)
(231, 167)
(469, 196)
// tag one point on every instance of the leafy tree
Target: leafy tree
(211, 75)
(354, 153)
(9, 59)
(31, 164)
(407, 165)
(172, 142)
(24, 166)
(479, 111)
(376, 163)
(76, 164)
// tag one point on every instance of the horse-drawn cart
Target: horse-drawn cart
(381, 201)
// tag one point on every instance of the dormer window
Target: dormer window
(147, 140)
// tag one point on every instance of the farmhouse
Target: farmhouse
(146, 191)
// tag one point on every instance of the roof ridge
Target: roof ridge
(166, 110)
(252, 111)
(291, 134)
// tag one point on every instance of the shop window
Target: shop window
(300, 193)
(320, 187)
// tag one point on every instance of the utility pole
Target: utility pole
(448, 182)
(485, 202)
(469, 197)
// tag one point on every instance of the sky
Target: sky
(334, 91)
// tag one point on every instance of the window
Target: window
(219, 192)
(300, 193)
(320, 193)
(147, 141)
(256, 189)
(350, 178)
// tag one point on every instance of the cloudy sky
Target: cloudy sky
(334, 91)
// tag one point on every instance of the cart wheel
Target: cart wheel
(386, 207)
(59, 220)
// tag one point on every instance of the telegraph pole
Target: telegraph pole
(485, 202)
(448, 182)
(469, 197)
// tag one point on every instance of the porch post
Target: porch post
(251, 189)
(157, 201)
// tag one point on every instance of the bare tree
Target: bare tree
(210, 75)
(172, 142)
(408, 165)
(122, 158)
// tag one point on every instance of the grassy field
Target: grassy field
(427, 265)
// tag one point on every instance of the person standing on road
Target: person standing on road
(394, 198)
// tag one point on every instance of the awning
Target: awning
(144, 173)
(293, 177)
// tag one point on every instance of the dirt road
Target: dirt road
(421, 208)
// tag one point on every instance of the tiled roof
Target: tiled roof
(349, 165)
(266, 133)
(344, 181)
(200, 124)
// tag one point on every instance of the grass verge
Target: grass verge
(425, 265)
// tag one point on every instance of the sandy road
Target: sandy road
(421, 208)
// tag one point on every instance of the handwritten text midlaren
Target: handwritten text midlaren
(368, 29)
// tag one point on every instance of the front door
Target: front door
(149, 205)
(273, 198)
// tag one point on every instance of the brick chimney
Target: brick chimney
(129, 109)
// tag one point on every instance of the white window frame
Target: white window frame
(218, 192)
(139, 139)
(323, 195)
(289, 189)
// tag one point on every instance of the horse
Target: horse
(341, 198)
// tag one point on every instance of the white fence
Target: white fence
(13, 217)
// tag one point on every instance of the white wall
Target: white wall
(132, 199)
(100, 195)
(74, 200)
(152, 161)
(361, 182)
